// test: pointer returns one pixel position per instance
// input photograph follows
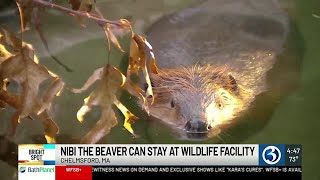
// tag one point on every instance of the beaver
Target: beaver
(197, 99)
(213, 61)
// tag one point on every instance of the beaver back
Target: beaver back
(244, 35)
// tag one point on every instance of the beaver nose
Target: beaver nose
(197, 126)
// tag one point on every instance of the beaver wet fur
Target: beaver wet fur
(213, 60)
(198, 99)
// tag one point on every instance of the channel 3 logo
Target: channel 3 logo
(271, 155)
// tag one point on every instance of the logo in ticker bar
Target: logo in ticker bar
(271, 155)
(22, 169)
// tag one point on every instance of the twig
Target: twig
(78, 13)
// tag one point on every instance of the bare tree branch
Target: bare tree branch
(100, 21)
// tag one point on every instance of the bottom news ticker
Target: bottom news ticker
(101, 161)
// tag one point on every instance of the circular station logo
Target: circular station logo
(271, 155)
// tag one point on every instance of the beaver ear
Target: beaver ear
(233, 83)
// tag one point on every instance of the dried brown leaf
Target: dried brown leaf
(125, 24)
(54, 90)
(134, 59)
(129, 117)
(4, 54)
(11, 39)
(136, 91)
(153, 65)
(29, 75)
(111, 37)
(122, 28)
(50, 127)
(137, 61)
(104, 96)
(23, 69)
(86, 6)
(97, 75)
(102, 127)
(75, 4)
(10, 99)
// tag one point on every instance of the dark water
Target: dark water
(289, 114)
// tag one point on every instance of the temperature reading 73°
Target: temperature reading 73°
(293, 158)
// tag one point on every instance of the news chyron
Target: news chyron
(100, 161)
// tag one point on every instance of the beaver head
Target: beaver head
(196, 101)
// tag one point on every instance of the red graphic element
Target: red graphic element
(73, 173)
(22, 161)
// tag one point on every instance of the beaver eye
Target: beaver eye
(219, 105)
(172, 104)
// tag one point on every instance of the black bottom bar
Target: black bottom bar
(249, 172)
